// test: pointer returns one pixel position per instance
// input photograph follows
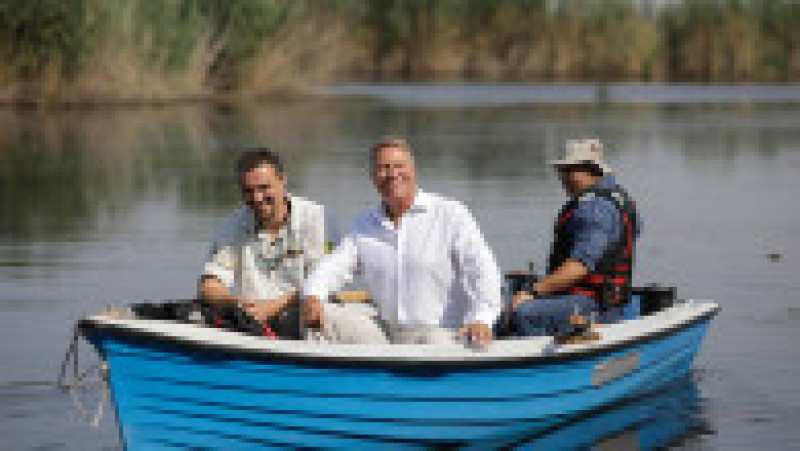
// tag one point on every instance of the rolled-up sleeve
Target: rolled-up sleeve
(221, 263)
(596, 226)
(223, 260)
(479, 272)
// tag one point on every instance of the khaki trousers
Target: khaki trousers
(361, 324)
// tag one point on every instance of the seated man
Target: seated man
(265, 249)
(423, 259)
(591, 261)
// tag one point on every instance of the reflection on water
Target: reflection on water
(116, 206)
(667, 418)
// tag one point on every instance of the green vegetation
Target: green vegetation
(142, 50)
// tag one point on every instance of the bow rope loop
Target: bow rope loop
(76, 385)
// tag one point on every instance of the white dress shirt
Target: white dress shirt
(435, 269)
(249, 261)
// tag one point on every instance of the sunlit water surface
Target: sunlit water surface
(103, 207)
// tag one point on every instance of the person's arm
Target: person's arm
(266, 309)
(480, 276)
(213, 291)
(596, 228)
(219, 270)
(329, 275)
(566, 275)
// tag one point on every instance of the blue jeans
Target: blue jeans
(550, 315)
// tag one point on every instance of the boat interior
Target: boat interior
(653, 313)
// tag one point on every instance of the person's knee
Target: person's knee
(528, 309)
(347, 324)
(528, 320)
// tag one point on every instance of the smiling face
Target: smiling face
(263, 189)
(394, 175)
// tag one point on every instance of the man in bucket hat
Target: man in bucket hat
(591, 259)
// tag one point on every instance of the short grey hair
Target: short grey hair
(388, 142)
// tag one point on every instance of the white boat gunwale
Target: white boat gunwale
(268, 350)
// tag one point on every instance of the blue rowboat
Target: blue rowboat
(187, 386)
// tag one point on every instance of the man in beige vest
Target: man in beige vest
(262, 253)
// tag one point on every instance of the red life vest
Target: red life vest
(610, 282)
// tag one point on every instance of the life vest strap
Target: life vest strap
(582, 291)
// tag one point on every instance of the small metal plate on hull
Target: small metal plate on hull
(615, 367)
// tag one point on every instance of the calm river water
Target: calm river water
(114, 206)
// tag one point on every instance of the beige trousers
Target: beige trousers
(361, 324)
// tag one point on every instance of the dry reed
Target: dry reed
(140, 51)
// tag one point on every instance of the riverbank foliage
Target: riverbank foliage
(139, 50)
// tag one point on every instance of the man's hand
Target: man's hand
(477, 333)
(312, 313)
(520, 297)
(565, 276)
(249, 306)
(267, 309)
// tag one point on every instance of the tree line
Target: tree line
(141, 50)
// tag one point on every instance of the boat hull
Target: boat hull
(172, 394)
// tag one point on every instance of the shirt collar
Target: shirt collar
(422, 200)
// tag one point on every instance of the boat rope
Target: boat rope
(76, 385)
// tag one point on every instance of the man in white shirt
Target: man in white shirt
(428, 268)
(266, 248)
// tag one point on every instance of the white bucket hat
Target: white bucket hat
(582, 151)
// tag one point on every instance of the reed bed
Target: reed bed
(87, 51)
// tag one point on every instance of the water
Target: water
(505, 94)
(103, 207)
